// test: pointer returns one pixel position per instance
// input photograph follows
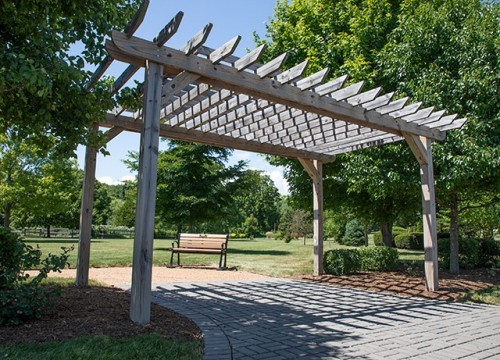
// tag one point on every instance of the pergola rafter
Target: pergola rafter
(210, 96)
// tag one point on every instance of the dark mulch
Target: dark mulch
(98, 310)
(451, 287)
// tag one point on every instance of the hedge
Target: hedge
(472, 252)
(341, 261)
(378, 258)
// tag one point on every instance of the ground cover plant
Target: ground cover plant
(93, 322)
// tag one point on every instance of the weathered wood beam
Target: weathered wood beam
(268, 89)
(422, 149)
(87, 205)
(225, 50)
(179, 133)
(177, 106)
(196, 41)
(129, 31)
(142, 264)
(271, 66)
(169, 30)
(249, 59)
(315, 170)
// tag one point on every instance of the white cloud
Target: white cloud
(127, 178)
(106, 180)
(242, 155)
(279, 181)
(110, 181)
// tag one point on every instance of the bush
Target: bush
(354, 234)
(489, 252)
(410, 241)
(378, 258)
(468, 252)
(22, 298)
(341, 261)
(377, 238)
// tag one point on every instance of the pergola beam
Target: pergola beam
(130, 50)
(422, 149)
(179, 133)
(315, 170)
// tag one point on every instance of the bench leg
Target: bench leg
(225, 260)
(178, 259)
(220, 262)
(171, 260)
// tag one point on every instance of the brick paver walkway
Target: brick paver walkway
(287, 319)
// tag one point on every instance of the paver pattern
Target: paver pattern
(289, 319)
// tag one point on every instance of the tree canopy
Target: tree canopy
(443, 53)
(42, 75)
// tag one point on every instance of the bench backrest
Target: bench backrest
(202, 241)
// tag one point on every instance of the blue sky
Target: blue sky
(229, 18)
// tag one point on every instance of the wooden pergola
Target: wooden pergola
(209, 96)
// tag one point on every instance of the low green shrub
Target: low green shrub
(377, 238)
(489, 252)
(468, 252)
(409, 241)
(378, 258)
(354, 234)
(341, 261)
(21, 297)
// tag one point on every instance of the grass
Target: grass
(490, 295)
(102, 347)
(264, 256)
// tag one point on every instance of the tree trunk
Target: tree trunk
(48, 231)
(6, 219)
(304, 239)
(454, 267)
(366, 233)
(386, 229)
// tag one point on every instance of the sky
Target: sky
(229, 18)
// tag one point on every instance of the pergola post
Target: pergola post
(83, 260)
(422, 149)
(315, 170)
(140, 305)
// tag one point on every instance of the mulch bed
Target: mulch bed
(94, 311)
(451, 287)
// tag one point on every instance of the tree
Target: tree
(38, 187)
(42, 83)
(193, 183)
(254, 193)
(446, 53)
(345, 36)
(440, 52)
(250, 226)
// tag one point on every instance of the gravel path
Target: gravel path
(122, 276)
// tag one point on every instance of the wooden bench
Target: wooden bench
(200, 244)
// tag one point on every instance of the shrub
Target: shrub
(468, 252)
(22, 298)
(354, 234)
(489, 252)
(377, 238)
(233, 236)
(341, 261)
(378, 258)
(410, 241)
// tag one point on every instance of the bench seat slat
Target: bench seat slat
(203, 236)
(201, 251)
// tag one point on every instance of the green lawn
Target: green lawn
(264, 256)
(103, 347)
